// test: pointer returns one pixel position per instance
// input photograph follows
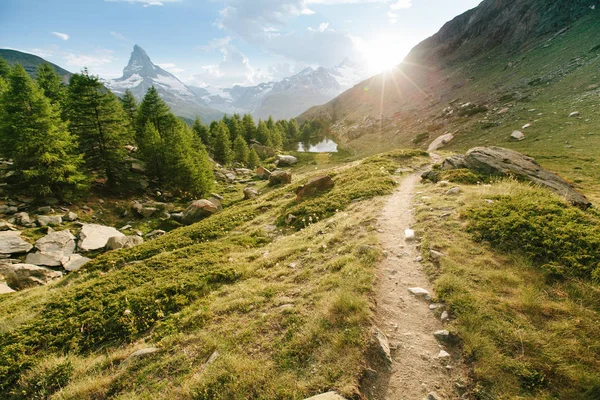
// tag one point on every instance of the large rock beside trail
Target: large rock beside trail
(502, 162)
(21, 276)
(95, 237)
(285, 161)
(52, 248)
(280, 177)
(314, 185)
(199, 210)
(123, 242)
(11, 243)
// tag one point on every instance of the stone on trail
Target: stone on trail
(419, 293)
(443, 355)
(442, 335)
(326, 396)
(95, 237)
(409, 234)
(381, 348)
(444, 317)
(11, 243)
(433, 396)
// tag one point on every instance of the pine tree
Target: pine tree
(4, 68)
(263, 134)
(234, 126)
(51, 84)
(201, 131)
(97, 119)
(270, 123)
(240, 150)
(130, 106)
(38, 141)
(188, 166)
(248, 128)
(154, 109)
(276, 137)
(222, 144)
(253, 159)
(293, 131)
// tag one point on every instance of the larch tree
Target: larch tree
(201, 131)
(253, 159)
(32, 133)
(263, 134)
(51, 84)
(248, 128)
(130, 106)
(97, 119)
(240, 150)
(222, 144)
(4, 68)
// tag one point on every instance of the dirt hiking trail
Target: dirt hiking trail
(417, 371)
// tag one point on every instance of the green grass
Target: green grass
(287, 311)
(526, 331)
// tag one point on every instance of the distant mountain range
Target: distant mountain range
(282, 99)
(31, 63)
(288, 97)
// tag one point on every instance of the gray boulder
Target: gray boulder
(62, 241)
(70, 216)
(285, 161)
(23, 219)
(198, 210)
(95, 237)
(74, 262)
(11, 243)
(21, 276)
(262, 173)
(314, 185)
(123, 242)
(45, 220)
(7, 226)
(250, 193)
(45, 258)
(280, 177)
(497, 161)
(518, 135)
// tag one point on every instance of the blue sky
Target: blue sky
(222, 42)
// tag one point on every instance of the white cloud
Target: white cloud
(61, 35)
(393, 17)
(145, 3)
(119, 36)
(234, 68)
(401, 4)
(171, 67)
(321, 28)
(97, 58)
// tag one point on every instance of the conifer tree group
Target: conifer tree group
(64, 138)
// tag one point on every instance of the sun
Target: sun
(383, 53)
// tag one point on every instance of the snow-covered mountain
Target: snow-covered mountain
(140, 74)
(287, 98)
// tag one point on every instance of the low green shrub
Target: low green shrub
(561, 239)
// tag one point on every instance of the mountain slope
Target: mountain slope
(478, 79)
(286, 98)
(31, 63)
(140, 74)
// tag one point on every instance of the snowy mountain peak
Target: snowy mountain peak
(141, 74)
(140, 64)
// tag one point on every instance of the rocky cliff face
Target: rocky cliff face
(510, 23)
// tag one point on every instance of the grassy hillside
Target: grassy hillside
(540, 84)
(281, 310)
(31, 63)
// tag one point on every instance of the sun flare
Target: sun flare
(383, 53)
